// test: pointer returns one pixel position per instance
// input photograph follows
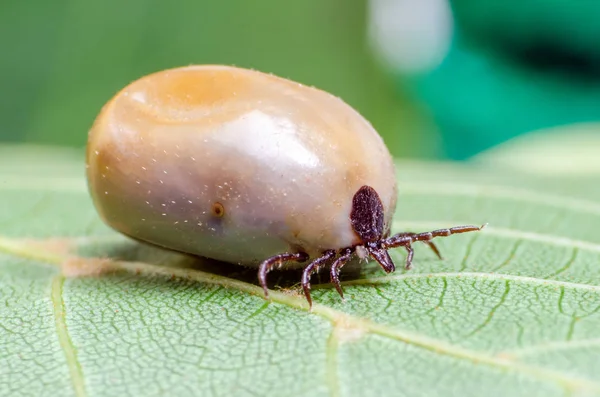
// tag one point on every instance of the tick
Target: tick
(249, 168)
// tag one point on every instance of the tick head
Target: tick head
(367, 221)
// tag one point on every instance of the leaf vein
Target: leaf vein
(331, 371)
(567, 265)
(442, 295)
(463, 265)
(510, 256)
(490, 315)
(64, 338)
(552, 346)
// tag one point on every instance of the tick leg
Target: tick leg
(406, 239)
(431, 245)
(308, 271)
(403, 239)
(434, 248)
(344, 257)
(409, 257)
(267, 265)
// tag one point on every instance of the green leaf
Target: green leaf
(512, 310)
(559, 151)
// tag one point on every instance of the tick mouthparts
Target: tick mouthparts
(383, 258)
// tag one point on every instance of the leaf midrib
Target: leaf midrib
(338, 319)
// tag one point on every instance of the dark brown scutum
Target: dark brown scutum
(366, 215)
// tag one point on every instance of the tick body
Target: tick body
(245, 167)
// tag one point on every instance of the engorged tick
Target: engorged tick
(247, 168)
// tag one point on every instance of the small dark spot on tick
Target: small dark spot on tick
(218, 210)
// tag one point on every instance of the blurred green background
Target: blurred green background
(508, 67)
(66, 58)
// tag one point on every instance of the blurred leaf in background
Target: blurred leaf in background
(67, 58)
(457, 77)
(511, 67)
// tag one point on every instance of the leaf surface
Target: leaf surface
(512, 310)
